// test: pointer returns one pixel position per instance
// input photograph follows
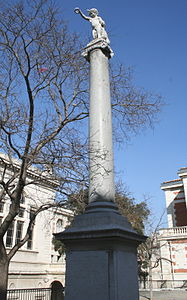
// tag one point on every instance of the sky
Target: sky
(150, 36)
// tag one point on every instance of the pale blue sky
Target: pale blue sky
(151, 36)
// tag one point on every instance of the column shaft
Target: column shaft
(100, 135)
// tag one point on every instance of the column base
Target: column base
(101, 255)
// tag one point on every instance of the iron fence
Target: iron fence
(29, 294)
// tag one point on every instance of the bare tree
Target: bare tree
(44, 107)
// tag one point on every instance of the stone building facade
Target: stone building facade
(173, 240)
(36, 264)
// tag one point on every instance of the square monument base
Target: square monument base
(101, 256)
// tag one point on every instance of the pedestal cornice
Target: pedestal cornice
(101, 221)
(97, 44)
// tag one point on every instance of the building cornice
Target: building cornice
(44, 178)
(182, 172)
(176, 183)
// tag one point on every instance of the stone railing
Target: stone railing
(174, 231)
(163, 284)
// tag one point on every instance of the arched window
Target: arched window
(59, 225)
(57, 290)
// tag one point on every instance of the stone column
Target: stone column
(100, 127)
(101, 246)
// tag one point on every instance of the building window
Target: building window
(19, 229)
(59, 225)
(32, 212)
(180, 214)
(22, 200)
(30, 240)
(9, 237)
(1, 206)
(21, 212)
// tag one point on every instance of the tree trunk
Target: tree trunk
(4, 264)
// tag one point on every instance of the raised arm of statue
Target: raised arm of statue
(78, 11)
(98, 25)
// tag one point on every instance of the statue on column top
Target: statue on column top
(98, 25)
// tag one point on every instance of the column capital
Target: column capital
(99, 43)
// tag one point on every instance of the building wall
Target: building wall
(175, 194)
(172, 241)
(39, 265)
(173, 253)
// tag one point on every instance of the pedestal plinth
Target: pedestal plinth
(101, 253)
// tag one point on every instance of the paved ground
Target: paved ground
(165, 295)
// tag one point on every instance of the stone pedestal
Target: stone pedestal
(101, 255)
